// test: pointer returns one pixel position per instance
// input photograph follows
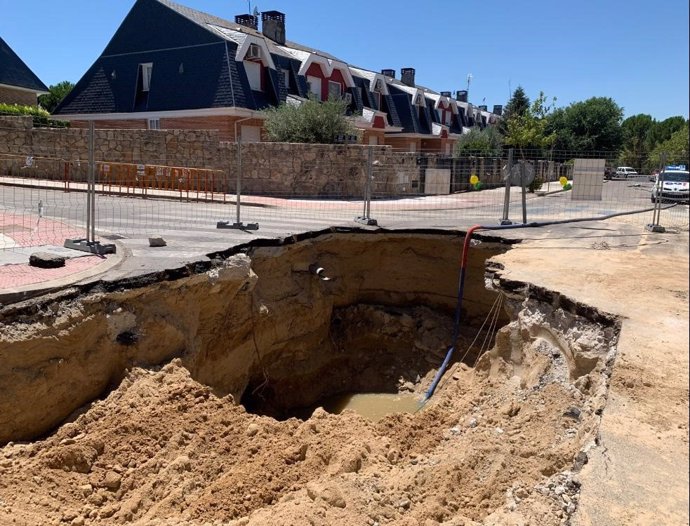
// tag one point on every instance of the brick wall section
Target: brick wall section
(13, 96)
(267, 168)
(224, 126)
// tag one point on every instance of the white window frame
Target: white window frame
(154, 124)
(146, 70)
(253, 52)
(254, 73)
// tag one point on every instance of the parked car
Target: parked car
(672, 185)
(625, 171)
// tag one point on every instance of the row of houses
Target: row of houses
(172, 67)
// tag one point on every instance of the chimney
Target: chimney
(498, 109)
(445, 94)
(388, 73)
(407, 76)
(247, 20)
(273, 26)
(483, 107)
(461, 95)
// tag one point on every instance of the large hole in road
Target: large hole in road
(281, 330)
(369, 351)
(378, 319)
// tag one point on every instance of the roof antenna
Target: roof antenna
(256, 12)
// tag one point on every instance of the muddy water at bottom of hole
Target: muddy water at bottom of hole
(372, 406)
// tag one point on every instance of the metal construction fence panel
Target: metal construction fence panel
(43, 190)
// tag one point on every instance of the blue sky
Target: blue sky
(633, 51)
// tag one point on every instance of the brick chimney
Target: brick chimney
(461, 95)
(273, 26)
(483, 107)
(498, 109)
(388, 73)
(445, 94)
(247, 20)
(407, 76)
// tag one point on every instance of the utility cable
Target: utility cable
(463, 264)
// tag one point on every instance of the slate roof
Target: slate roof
(194, 60)
(14, 72)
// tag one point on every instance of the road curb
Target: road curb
(17, 294)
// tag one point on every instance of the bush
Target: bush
(40, 116)
(485, 143)
(310, 122)
(535, 185)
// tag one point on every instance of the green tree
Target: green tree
(593, 125)
(636, 130)
(662, 131)
(518, 105)
(310, 122)
(56, 93)
(487, 143)
(675, 148)
(529, 130)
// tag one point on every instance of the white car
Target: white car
(671, 185)
(625, 171)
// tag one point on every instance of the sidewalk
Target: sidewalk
(23, 235)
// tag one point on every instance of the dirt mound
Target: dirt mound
(494, 446)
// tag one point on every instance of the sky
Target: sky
(633, 51)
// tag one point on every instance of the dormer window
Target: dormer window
(145, 72)
(314, 84)
(335, 90)
(254, 72)
(377, 91)
(253, 52)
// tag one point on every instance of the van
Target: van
(625, 172)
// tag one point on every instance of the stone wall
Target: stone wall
(267, 168)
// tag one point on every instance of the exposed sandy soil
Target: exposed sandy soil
(532, 435)
(639, 475)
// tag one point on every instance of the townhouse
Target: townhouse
(172, 67)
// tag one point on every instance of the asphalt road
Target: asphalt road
(190, 228)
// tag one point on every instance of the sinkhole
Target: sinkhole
(225, 369)
(325, 321)
(374, 359)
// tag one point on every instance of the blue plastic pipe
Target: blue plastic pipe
(461, 281)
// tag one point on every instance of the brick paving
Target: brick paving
(26, 230)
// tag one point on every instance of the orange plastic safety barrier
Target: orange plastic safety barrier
(136, 179)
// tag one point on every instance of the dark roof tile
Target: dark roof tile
(14, 72)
